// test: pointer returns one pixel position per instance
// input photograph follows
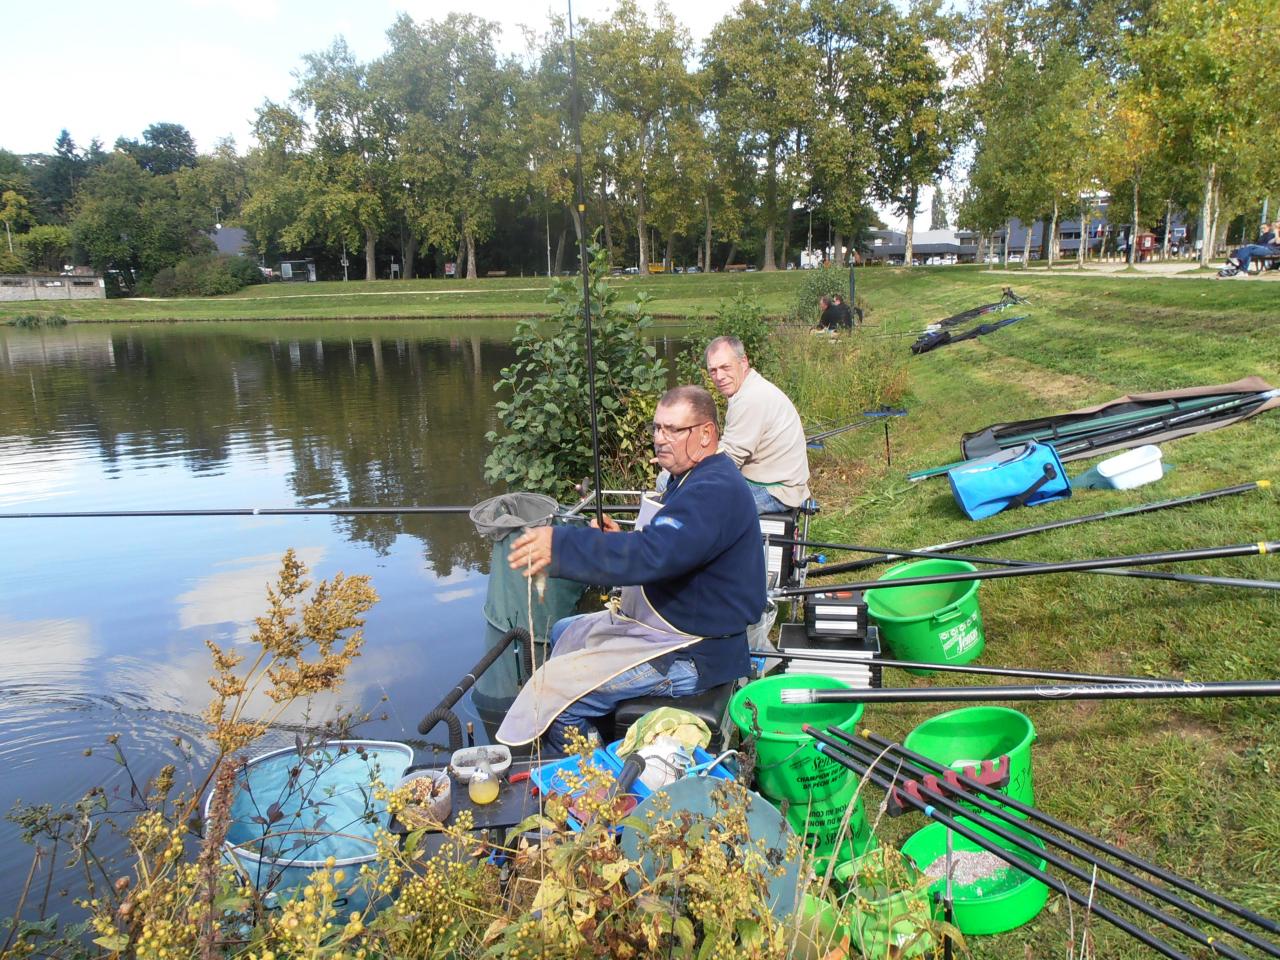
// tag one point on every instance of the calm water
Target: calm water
(103, 622)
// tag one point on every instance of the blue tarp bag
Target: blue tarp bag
(1020, 476)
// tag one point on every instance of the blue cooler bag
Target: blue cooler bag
(1020, 476)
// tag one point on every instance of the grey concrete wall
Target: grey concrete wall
(19, 287)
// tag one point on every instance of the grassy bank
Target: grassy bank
(1190, 784)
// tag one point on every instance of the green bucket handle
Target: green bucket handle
(948, 615)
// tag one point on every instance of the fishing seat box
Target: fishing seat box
(851, 659)
(710, 707)
(779, 558)
(840, 613)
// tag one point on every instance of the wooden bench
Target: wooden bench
(495, 273)
(1267, 261)
(735, 267)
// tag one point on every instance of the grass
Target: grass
(1189, 784)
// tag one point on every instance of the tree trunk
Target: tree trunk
(1004, 254)
(908, 253)
(460, 265)
(471, 255)
(1051, 244)
(1026, 249)
(604, 218)
(1133, 230)
(980, 248)
(410, 257)
(666, 260)
(370, 260)
(642, 231)
(577, 222)
(706, 236)
(1216, 207)
(1084, 236)
(559, 252)
(837, 251)
(786, 236)
(771, 209)
(1206, 240)
(733, 252)
(1168, 228)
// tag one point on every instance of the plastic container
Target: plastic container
(325, 800)
(788, 763)
(1003, 901)
(818, 822)
(463, 762)
(933, 622)
(720, 771)
(886, 915)
(434, 813)
(1132, 468)
(959, 738)
(818, 933)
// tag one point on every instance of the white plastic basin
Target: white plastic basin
(1132, 468)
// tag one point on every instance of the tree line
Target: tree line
(788, 123)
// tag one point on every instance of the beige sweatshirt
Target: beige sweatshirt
(764, 437)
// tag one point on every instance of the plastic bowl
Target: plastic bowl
(463, 762)
(433, 814)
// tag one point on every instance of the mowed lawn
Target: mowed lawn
(1190, 784)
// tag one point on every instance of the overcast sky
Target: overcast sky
(107, 70)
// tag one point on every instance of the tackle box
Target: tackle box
(846, 658)
(779, 558)
(840, 613)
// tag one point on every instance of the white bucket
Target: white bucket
(1132, 468)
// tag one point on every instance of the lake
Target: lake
(103, 622)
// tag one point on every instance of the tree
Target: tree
(938, 211)
(15, 211)
(165, 148)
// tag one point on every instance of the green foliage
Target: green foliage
(46, 247)
(29, 321)
(244, 270)
(11, 262)
(827, 281)
(740, 316)
(205, 275)
(546, 446)
(832, 380)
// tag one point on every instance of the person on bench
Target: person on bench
(1238, 262)
(692, 581)
(762, 430)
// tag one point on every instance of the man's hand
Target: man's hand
(610, 524)
(531, 553)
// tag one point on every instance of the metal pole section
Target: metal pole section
(1037, 814)
(1150, 690)
(962, 668)
(583, 255)
(1044, 527)
(1067, 566)
(931, 811)
(245, 512)
(862, 756)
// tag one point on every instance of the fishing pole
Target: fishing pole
(931, 810)
(1058, 431)
(889, 747)
(957, 668)
(1140, 574)
(846, 567)
(245, 512)
(869, 418)
(1262, 547)
(1149, 690)
(583, 256)
(866, 758)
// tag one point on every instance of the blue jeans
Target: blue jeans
(1247, 253)
(642, 681)
(766, 502)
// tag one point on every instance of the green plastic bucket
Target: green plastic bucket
(933, 622)
(788, 764)
(885, 915)
(818, 822)
(960, 738)
(819, 931)
(1002, 901)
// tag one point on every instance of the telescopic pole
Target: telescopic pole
(584, 255)
(971, 668)
(1150, 690)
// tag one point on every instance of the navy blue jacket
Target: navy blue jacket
(700, 561)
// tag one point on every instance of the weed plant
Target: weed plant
(29, 321)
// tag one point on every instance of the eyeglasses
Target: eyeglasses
(672, 432)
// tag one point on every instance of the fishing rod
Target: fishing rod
(1148, 690)
(1058, 431)
(1262, 547)
(891, 748)
(934, 810)
(933, 793)
(245, 512)
(956, 668)
(846, 567)
(869, 417)
(967, 558)
(583, 256)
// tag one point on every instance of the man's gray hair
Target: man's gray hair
(733, 343)
(699, 401)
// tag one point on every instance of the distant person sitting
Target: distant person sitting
(1238, 262)
(829, 320)
(762, 430)
(844, 315)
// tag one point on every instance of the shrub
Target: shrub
(32, 320)
(816, 283)
(164, 283)
(546, 446)
(11, 262)
(245, 271)
(834, 379)
(204, 275)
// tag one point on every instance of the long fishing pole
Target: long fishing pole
(891, 748)
(1241, 582)
(846, 567)
(1262, 547)
(1150, 690)
(869, 418)
(867, 759)
(1086, 424)
(245, 512)
(935, 811)
(583, 256)
(951, 667)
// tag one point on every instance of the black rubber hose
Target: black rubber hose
(465, 684)
(450, 719)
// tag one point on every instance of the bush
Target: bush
(11, 262)
(835, 380)
(547, 444)
(816, 283)
(741, 317)
(245, 271)
(164, 283)
(30, 321)
(205, 275)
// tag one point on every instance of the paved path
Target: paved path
(1174, 269)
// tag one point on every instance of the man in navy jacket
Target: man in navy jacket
(698, 565)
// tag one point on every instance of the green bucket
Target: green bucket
(819, 931)
(1002, 901)
(788, 764)
(933, 622)
(819, 821)
(887, 917)
(960, 738)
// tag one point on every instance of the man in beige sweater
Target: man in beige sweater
(762, 431)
